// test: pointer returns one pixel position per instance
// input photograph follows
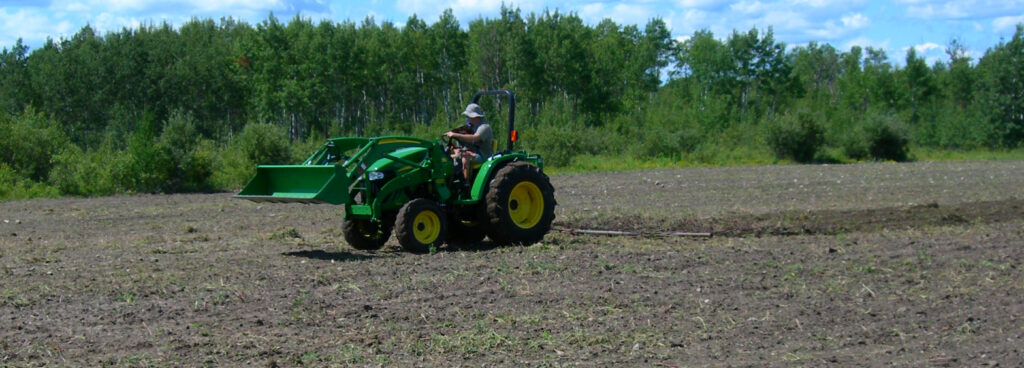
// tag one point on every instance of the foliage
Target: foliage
(14, 186)
(190, 157)
(263, 144)
(195, 108)
(102, 171)
(1001, 83)
(256, 144)
(797, 136)
(886, 138)
(28, 141)
(149, 164)
(559, 139)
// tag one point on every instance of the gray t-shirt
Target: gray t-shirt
(485, 146)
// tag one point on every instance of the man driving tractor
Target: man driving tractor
(476, 146)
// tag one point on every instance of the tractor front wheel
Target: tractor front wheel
(421, 225)
(365, 234)
(520, 205)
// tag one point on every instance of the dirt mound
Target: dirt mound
(818, 222)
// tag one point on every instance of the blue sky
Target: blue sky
(895, 26)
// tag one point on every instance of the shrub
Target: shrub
(14, 186)
(150, 165)
(853, 143)
(662, 142)
(956, 128)
(558, 138)
(231, 169)
(797, 136)
(263, 143)
(29, 141)
(559, 144)
(257, 143)
(190, 158)
(887, 138)
(95, 173)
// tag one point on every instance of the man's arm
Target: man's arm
(463, 137)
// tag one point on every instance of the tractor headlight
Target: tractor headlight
(375, 175)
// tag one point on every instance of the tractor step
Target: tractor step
(360, 210)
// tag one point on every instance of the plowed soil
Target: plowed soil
(852, 265)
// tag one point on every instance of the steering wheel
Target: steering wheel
(449, 144)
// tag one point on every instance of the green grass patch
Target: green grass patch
(613, 163)
(934, 154)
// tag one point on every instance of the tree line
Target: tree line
(164, 109)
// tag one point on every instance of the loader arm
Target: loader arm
(328, 175)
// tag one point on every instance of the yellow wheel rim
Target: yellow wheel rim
(426, 227)
(526, 205)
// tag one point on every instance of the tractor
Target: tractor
(409, 186)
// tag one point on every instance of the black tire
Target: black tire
(365, 234)
(520, 205)
(421, 225)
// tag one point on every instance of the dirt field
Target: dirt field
(854, 265)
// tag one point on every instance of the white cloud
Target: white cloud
(693, 20)
(75, 7)
(32, 25)
(687, 22)
(866, 42)
(855, 21)
(829, 31)
(228, 6)
(627, 14)
(817, 3)
(181, 7)
(624, 14)
(946, 10)
(1006, 23)
(964, 9)
(784, 20)
(121, 5)
(703, 4)
(925, 48)
(112, 22)
(748, 7)
(465, 10)
(473, 8)
(930, 51)
(416, 6)
(593, 11)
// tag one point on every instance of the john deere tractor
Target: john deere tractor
(410, 186)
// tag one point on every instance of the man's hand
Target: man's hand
(450, 134)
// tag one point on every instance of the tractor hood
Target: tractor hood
(400, 160)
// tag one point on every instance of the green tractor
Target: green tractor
(409, 186)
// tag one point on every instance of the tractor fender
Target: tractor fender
(489, 168)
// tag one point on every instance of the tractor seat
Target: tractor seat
(494, 148)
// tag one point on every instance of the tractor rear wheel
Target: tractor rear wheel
(365, 234)
(520, 205)
(421, 225)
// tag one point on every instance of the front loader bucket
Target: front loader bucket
(297, 184)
